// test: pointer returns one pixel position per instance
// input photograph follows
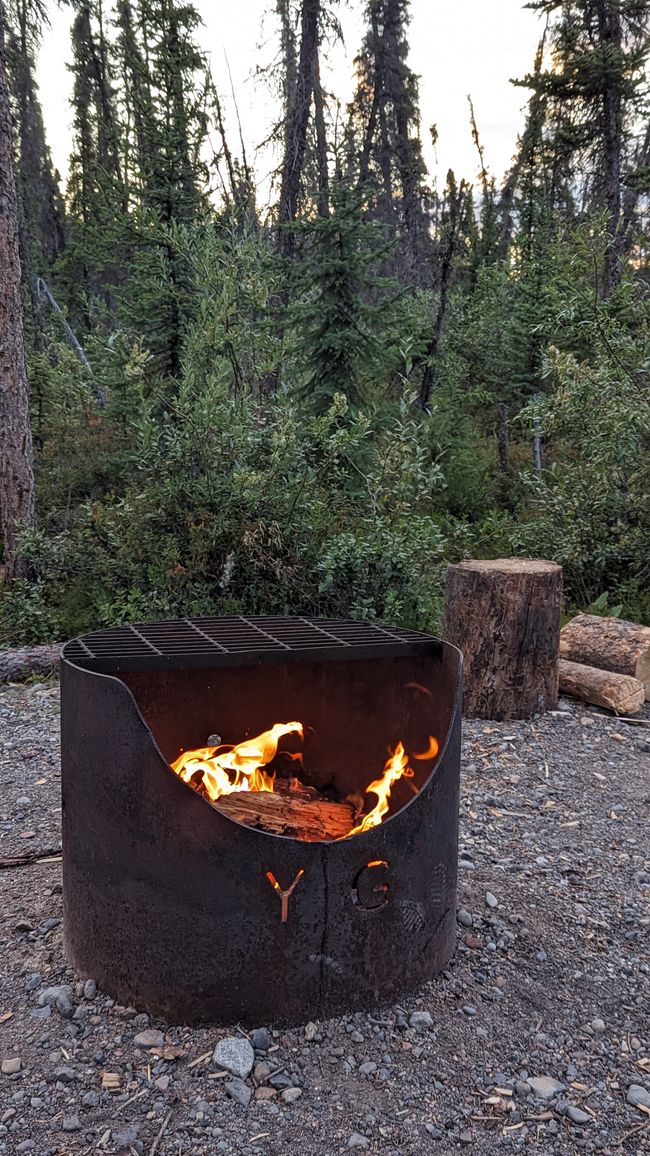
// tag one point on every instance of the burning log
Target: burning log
(505, 617)
(617, 692)
(609, 644)
(294, 811)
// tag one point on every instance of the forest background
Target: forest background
(312, 405)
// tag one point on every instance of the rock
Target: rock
(367, 1068)
(421, 1019)
(638, 1096)
(280, 1081)
(545, 1087)
(125, 1136)
(598, 1026)
(266, 1093)
(10, 1067)
(24, 801)
(541, 956)
(239, 1091)
(150, 1038)
(162, 1083)
(90, 989)
(261, 1040)
(435, 1133)
(235, 1056)
(26, 1146)
(34, 981)
(523, 1088)
(465, 918)
(356, 1140)
(577, 1115)
(290, 1095)
(90, 1100)
(71, 1124)
(491, 900)
(51, 994)
(65, 1075)
(311, 1031)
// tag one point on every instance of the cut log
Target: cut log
(505, 617)
(617, 692)
(311, 820)
(610, 644)
(18, 665)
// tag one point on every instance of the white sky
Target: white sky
(458, 47)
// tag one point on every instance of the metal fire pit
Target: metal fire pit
(169, 904)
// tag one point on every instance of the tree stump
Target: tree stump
(505, 617)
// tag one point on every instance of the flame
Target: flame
(227, 769)
(431, 751)
(397, 767)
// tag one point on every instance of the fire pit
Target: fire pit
(260, 815)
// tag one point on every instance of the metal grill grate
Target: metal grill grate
(210, 642)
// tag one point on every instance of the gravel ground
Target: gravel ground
(535, 1039)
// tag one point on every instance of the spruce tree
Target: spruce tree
(385, 126)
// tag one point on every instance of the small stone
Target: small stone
(421, 1020)
(26, 1146)
(469, 1010)
(162, 1083)
(280, 1081)
(491, 900)
(541, 955)
(239, 1091)
(52, 994)
(125, 1136)
(523, 1088)
(150, 1038)
(90, 989)
(465, 918)
(598, 1026)
(577, 1115)
(10, 1067)
(465, 1137)
(71, 1124)
(261, 1040)
(290, 1095)
(34, 981)
(545, 1087)
(24, 801)
(367, 1068)
(356, 1140)
(638, 1096)
(90, 1100)
(311, 1031)
(435, 1133)
(65, 1075)
(265, 1093)
(235, 1056)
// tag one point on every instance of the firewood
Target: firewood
(617, 692)
(505, 617)
(610, 644)
(289, 813)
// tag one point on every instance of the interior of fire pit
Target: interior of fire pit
(353, 714)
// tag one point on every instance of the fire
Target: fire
(226, 769)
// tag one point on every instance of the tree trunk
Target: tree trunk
(298, 124)
(503, 439)
(609, 644)
(505, 617)
(610, 34)
(617, 692)
(321, 144)
(16, 464)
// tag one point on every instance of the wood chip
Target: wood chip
(200, 1060)
(5, 1016)
(111, 1081)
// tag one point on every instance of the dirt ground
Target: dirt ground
(536, 1037)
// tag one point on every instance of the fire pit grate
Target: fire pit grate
(201, 642)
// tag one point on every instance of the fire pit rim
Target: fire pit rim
(365, 835)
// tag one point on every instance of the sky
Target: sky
(458, 48)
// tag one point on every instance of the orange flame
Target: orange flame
(397, 767)
(228, 769)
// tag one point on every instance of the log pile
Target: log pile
(609, 644)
